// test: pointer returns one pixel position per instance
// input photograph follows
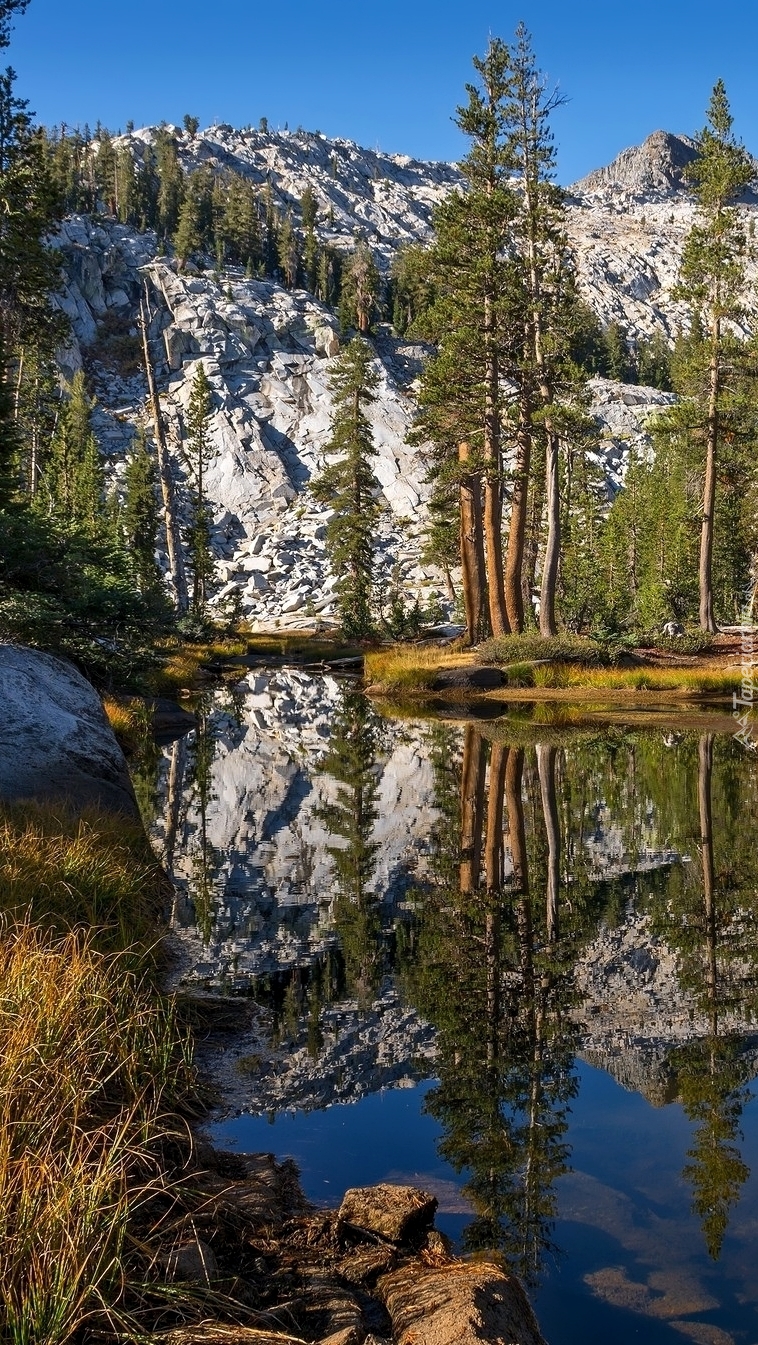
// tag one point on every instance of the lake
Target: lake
(513, 961)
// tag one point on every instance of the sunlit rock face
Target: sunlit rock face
(268, 351)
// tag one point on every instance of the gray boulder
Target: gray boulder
(55, 741)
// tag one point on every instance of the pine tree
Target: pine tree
(171, 184)
(200, 451)
(477, 322)
(195, 229)
(541, 233)
(359, 290)
(74, 480)
(350, 818)
(139, 519)
(349, 487)
(712, 281)
(288, 251)
(29, 270)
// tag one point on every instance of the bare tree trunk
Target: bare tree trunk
(707, 621)
(173, 539)
(472, 808)
(546, 769)
(472, 552)
(514, 561)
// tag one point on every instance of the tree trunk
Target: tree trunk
(516, 829)
(704, 787)
(493, 850)
(707, 621)
(553, 545)
(472, 552)
(546, 757)
(534, 532)
(472, 808)
(514, 561)
(173, 539)
(493, 484)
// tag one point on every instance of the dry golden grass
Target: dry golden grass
(412, 667)
(89, 1063)
(96, 871)
(709, 681)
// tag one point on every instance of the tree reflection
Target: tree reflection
(350, 819)
(204, 859)
(494, 976)
(710, 923)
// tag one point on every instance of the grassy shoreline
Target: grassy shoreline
(521, 668)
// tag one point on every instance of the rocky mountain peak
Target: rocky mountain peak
(386, 198)
(656, 167)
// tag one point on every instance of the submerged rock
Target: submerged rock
(55, 741)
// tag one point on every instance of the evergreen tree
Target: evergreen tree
(617, 362)
(288, 252)
(359, 290)
(74, 480)
(140, 517)
(349, 487)
(240, 223)
(475, 321)
(712, 282)
(350, 818)
(200, 451)
(310, 248)
(171, 184)
(541, 233)
(412, 288)
(195, 228)
(29, 270)
(653, 361)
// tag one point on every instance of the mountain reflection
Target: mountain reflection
(482, 905)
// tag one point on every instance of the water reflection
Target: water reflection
(492, 972)
(485, 906)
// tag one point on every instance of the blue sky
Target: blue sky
(386, 74)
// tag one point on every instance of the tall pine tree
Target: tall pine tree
(349, 487)
(712, 282)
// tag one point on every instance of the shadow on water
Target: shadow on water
(556, 927)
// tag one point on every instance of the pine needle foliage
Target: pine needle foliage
(348, 485)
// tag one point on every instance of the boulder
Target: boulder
(462, 1303)
(468, 679)
(326, 341)
(55, 741)
(192, 1261)
(394, 1212)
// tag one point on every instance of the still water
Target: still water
(513, 962)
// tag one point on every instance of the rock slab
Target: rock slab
(462, 1303)
(55, 741)
(392, 1212)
